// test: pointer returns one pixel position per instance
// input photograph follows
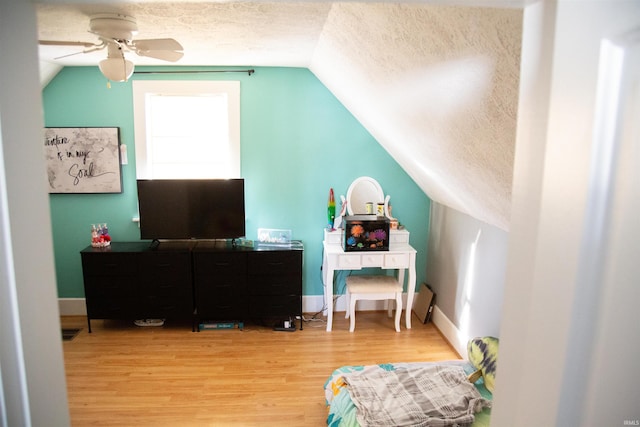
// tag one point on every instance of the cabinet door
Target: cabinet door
(220, 285)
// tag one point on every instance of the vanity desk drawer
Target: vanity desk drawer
(349, 262)
(372, 260)
(396, 260)
(386, 260)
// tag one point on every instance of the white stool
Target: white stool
(373, 288)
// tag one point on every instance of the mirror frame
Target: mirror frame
(380, 194)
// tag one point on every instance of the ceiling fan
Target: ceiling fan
(116, 32)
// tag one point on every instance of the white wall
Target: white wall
(569, 340)
(33, 382)
(466, 264)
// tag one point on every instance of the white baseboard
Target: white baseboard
(72, 307)
(310, 304)
(450, 331)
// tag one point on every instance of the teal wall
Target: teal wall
(297, 141)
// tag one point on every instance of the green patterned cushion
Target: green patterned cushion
(483, 354)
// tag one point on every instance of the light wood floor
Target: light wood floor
(123, 375)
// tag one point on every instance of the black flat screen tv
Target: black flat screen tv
(191, 209)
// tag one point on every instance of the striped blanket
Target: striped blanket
(434, 395)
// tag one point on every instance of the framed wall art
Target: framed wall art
(83, 160)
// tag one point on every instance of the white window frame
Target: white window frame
(142, 88)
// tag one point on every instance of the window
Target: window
(187, 130)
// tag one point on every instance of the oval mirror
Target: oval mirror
(363, 190)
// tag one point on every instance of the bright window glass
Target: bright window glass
(187, 130)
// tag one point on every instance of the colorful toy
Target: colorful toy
(483, 354)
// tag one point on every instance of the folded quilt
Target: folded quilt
(423, 396)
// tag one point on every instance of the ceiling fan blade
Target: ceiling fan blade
(68, 55)
(165, 55)
(90, 48)
(157, 44)
(66, 43)
(165, 49)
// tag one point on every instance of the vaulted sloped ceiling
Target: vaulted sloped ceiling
(436, 85)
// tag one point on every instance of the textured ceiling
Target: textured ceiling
(238, 33)
(435, 84)
(438, 88)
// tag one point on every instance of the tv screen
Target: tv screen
(191, 209)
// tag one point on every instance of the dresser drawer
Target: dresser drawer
(166, 267)
(109, 264)
(219, 264)
(275, 305)
(227, 286)
(275, 263)
(274, 285)
(167, 287)
(154, 307)
(111, 286)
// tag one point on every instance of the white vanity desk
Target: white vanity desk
(400, 256)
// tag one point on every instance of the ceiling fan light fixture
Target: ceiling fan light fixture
(116, 69)
(116, 32)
